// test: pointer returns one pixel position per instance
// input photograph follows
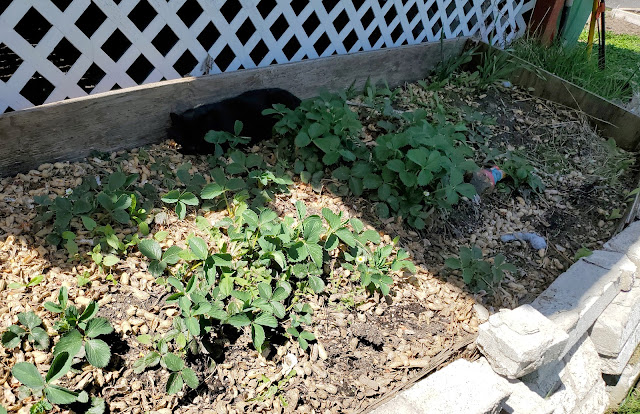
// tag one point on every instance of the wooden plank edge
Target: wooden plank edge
(610, 119)
(124, 119)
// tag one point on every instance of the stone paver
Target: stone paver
(516, 342)
(577, 297)
(595, 402)
(460, 387)
(617, 322)
(524, 401)
(615, 365)
(571, 378)
(621, 384)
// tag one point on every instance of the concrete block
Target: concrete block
(460, 387)
(628, 242)
(517, 342)
(524, 401)
(615, 365)
(578, 370)
(563, 400)
(577, 297)
(627, 267)
(617, 322)
(618, 386)
(595, 402)
(545, 380)
(396, 405)
(582, 367)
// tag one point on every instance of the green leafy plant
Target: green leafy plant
(36, 280)
(495, 66)
(81, 330)
(159, 260)
(520, 172)
(91, 204)
(220, 138)
(44, 388)
(221, 186)
(31, 329)
(479, 274)
(582, 252)
(274, 388)
(193, 183)
(254, 273)
(615, 214)
(180, 374)
(324, 131)
(301, 316)
(411, 170)
(181, 199)
(103, 262)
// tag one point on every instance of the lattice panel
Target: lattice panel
(52, 50)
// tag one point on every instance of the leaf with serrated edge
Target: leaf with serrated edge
(89, 312)
(28, 374)
(150, 248)
(98, 352)
(60, 395)
(266, 320)
(258, 336)
(190, 377)
(174, 383)
(59, 366)
(173, 362)
(199, 247)
(71, 342)
(98, 326)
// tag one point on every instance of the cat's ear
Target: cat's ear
(175, 118)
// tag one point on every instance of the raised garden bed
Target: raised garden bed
(367, 344)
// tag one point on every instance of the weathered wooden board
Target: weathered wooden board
(129, 118)
(611, 120)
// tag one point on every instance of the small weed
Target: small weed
(582, 252)
(36, 280)
(43, 388)
(31, 330)
(80, 330)
(479, 274)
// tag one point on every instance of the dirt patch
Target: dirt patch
(621, 26)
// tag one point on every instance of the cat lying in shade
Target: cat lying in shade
(189, 128)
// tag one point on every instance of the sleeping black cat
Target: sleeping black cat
(189, 128)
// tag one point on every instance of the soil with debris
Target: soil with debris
(367, 346)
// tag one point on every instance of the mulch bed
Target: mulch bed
(368, 346)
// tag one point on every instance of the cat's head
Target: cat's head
(282, 96)
(181, 132)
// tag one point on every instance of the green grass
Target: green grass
(631, 405)
(617, 82)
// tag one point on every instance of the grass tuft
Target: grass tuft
(617, 82)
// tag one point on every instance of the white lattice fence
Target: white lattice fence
(52, 50)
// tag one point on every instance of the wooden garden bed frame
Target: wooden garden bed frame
(129, 118)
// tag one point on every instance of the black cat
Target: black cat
(189, 128)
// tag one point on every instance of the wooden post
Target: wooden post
(544, 20)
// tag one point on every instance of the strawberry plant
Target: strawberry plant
(93, 205)
(80, 330)
(31, 330)
(412, 170)
(254, 274)
(44, 388)
(479, 274)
